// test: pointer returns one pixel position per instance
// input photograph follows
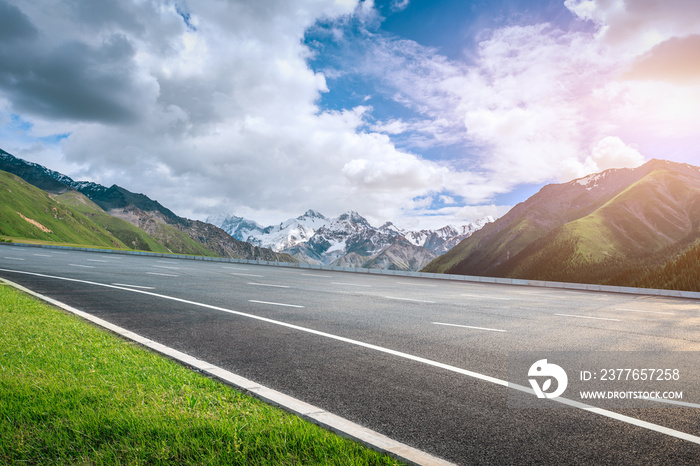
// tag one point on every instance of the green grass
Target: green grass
(129, 234)
(71, 393)
(28, 212)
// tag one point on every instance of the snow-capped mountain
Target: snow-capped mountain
(348, 240)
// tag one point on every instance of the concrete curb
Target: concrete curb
(400, 273)
(313, 414)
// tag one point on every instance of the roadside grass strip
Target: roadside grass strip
(72, 393)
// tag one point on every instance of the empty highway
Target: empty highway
(423, 361)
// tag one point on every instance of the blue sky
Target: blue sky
(420, 112)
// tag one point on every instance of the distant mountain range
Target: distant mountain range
(119, 217)
(348, 240)
(632, 227)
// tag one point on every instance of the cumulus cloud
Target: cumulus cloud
(611, 152)
(212, 106)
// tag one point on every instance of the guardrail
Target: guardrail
(402, 273)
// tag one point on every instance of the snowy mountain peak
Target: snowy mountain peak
(354, 217)
(312, 214)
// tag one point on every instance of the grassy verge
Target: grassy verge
(71, 393)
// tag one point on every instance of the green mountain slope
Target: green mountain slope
(130, 235)
(160, 225)
(28, 212)
(611, 228)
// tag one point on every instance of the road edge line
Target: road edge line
(313, 414)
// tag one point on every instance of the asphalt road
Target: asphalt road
(423, 361)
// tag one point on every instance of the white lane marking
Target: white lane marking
(410, 299)
(14, 258)
(247, 275)
(135, 286)
(469, 326)
(414, 284)
(269, 284)
(43, 255)
(315, 275)
(234, 268)
(484, 297)
(274, 304)
(164, 267)
(84, 266)
(315, 414)
(96, 260)
(587, 317)
(351, 284)
(112, 257)
(486, 378)
(646, 312)
(162, 274)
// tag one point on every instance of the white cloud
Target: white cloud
(611, 152)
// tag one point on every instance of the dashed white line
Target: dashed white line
(247, 275)
(484, 297)
(587, 317)
(351, 284)
(476, 375)
(411, 299)
(162, 274)
(269, 284)
(14, 258)
(43, 255)
(234, 268)
(96, 260)
(83, 266)
(414, 284)
(470, 326)
(274, 304)
(164, 267)
(645, 312)
(315, 275)
(134, 286)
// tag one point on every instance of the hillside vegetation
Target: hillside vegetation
(28, 212)
(627, 227)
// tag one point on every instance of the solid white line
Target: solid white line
(646, 312)
(247, 275)
(414, 284)
(469, 326)
(351, 284)
(274, 304)
(487, 378)
(409, 299)
(162, 274)
(484, 297)
(135, 286)
(311, 413)
(587, 317)
(14, 258)
(269, 284)
(84, 266)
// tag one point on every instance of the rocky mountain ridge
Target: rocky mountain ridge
(348, 240)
